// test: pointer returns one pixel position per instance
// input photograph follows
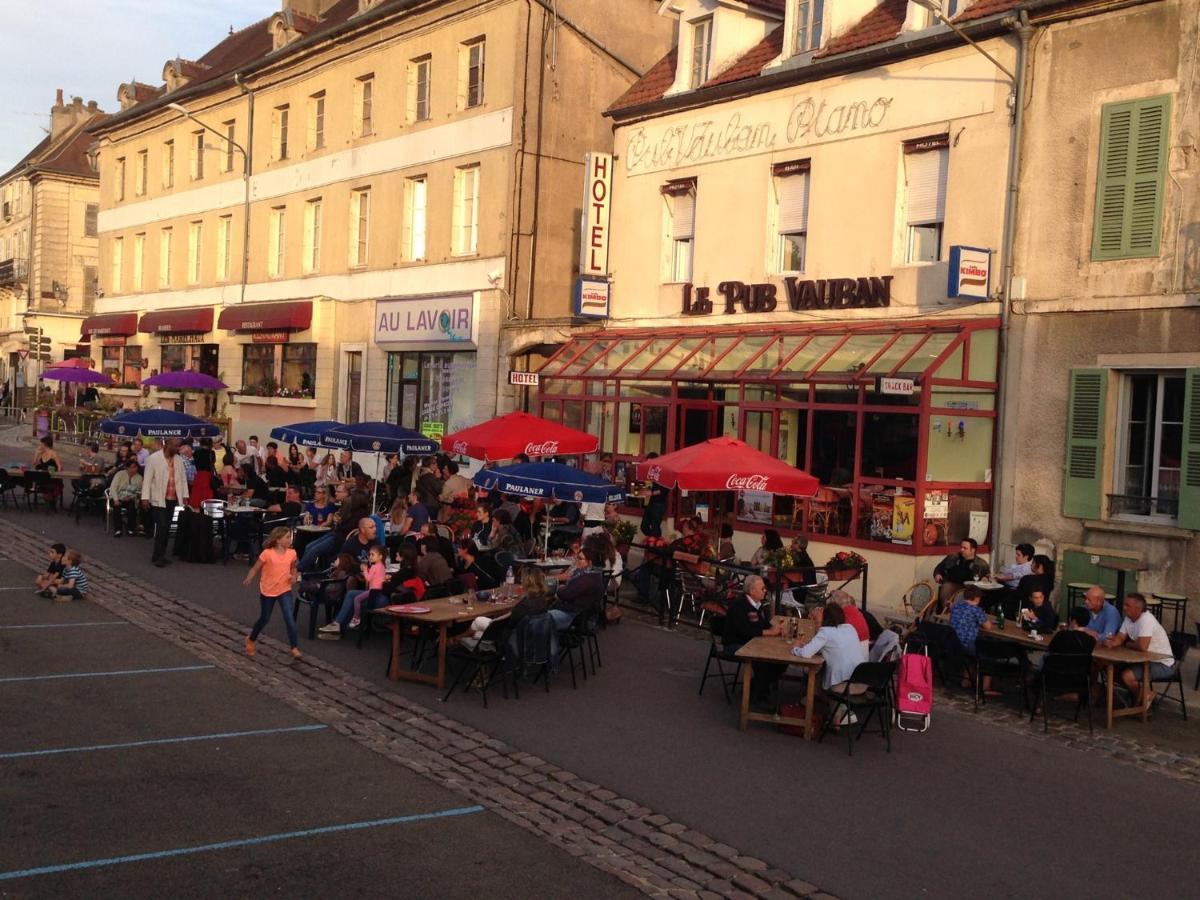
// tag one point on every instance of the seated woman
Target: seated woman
(835, 640)
(534, 601)
(770, 541)
(45, 459)
(320, 509)
(503, 537)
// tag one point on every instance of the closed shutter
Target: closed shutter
(1082, 485)
(926, 173)
(1189, 478)
(1129, 178)
(793, 203)
(683, 217)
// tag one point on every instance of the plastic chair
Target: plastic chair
(1063, 673)
(874, 695)
(1178, 650)
(718, 654)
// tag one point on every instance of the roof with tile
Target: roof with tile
(652, 85)
(71, 155)
(878, 26)
(752, 62)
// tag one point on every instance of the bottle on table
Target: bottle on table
(1000, 618)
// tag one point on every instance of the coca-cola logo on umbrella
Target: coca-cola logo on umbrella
(545, 448)
(654, 472)
(459, 447)
(747, 483)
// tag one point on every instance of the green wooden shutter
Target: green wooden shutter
(1189, 478)
(1083, 491)
(1130, 178)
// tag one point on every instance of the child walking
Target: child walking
(73, 584)
(277, 563)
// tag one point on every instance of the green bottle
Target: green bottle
(1000, 617)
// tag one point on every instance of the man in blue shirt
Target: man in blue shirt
(1104, 620)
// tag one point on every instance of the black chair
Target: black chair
(581, 635)
(718, 654)
(88, 492)
(869, 691)
(8, 488)
(318, 589)
(485, 660)
(996, 657)
(945, 650)
(1063, 673)
(242, 528)
(533, 649)
(34, 484)
(1178, 650)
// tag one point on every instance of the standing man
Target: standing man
(163, 488)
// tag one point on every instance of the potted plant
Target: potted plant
(778, 561)
(623, 532)
(844, 565)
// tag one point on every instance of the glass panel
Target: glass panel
(568, 387)
(962, 399)
(641, 423)
(447, 390)
(759, 425)
(759, 393)
(600, 387)
(552, 410)
(795, 393)
(949, 531)
(589, 356)
(960, 449)
(886, 513)
(895, 353)
(676, 355)
(644, 357)
(854, 355)
(812, 353)
(952, 368)
(174, 358)
(833, 447)
(836, 393)
(615, 354)
(573, 414)
(775, 355)
(645, 389)
(929, 351)
(984, 350)
(709, 351)
(600, 422)
(889, 446)
(741, 354)
(258, 370)
(1170, 445)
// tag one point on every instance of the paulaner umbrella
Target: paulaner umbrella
(158, 423)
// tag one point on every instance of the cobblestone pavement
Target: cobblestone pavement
(615, 834)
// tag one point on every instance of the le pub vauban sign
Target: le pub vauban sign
(810, 116)
(815, 293)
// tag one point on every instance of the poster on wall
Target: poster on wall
(978, 527)
(904, 514)
(937, 515)
(755, 507)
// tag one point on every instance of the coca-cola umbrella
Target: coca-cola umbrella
(727, 464)
(519, 432)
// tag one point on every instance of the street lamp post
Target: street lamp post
(935, 7)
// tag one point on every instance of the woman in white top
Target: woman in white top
(835, 640)
(327, 471)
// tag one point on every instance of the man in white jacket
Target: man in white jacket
(163, 488)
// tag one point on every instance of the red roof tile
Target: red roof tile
(751, 63)
(878, 26)
(71, 155)
(652, 85)
(984, 8)
(143, 92)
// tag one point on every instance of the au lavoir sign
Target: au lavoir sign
(797, 295)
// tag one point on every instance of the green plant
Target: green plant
(780, 559)
(622, 531)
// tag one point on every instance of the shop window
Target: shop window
(299, 370)
(833, 447)
(258, 370)
(190, 358)
(123, 365)
(791, 214)
(960, 448)
(428, 390)
(279, 370)
(889, 446)
(926, 163)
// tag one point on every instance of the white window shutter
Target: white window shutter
(793, 203)
(926, 173)
(683, 216)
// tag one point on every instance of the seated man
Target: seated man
(1141, 631)
(1040, 613)
(746, 619)
(358, 545)
(431, 565)
(1010, 576)
(290, 508)
(126, 492)
(967, 618)
(1103, 618)
(487, 573)
(583, 592)
(953, 572)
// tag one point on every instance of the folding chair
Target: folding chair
(718, 654)
(1178, 650)
(1063, 673)
(869, 689)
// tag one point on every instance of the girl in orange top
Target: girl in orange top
(277, 563)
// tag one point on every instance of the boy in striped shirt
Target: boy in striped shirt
(74, 581)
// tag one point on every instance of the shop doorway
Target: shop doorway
(350, 404)
(697, 423)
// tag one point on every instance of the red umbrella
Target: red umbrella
(726, 464)
(519, 432)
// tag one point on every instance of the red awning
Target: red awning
(177, 321)
(120, 324)
(295, 315)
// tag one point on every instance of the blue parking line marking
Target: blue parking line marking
(105, 674)
(62, 625)
(244, 842)
(22, 754)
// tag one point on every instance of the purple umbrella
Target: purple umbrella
(184, 381)
(77, 376)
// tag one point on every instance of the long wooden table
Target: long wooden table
(779, 650)
(443, 613)
(1109, 657)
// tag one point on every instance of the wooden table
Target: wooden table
(443, 613)
(1110, 657)
(779, 650)
(1121, 567)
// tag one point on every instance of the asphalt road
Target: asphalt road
(75, 807)
(966, 809)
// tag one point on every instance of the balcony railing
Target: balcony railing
(1136, 505)
(13, 271)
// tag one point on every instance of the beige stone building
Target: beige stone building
(48, 245)
(359, 210)
(1104, 355)
(807, 215)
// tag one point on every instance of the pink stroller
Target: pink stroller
(914, 692)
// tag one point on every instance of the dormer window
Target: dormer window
(810, 19)
(701, 51)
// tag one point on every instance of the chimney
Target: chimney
(64, 117)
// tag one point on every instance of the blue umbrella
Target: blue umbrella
(158, 423)
(549, 481)
(378, 437)
(306, 434)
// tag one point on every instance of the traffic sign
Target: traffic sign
(23, 353)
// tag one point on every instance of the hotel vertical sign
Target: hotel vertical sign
(595, 230)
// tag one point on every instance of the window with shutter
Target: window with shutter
(90, 216)
(1082, 484)
(792, 189)
(1189, 480)
(926, 166)
(1130, 178)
